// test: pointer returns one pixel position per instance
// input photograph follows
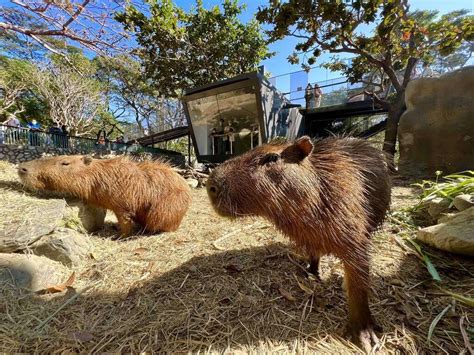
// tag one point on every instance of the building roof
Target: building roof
(164, 136)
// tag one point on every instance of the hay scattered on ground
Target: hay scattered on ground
(227, 286)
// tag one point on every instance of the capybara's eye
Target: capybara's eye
(270, 158)
(65, 163)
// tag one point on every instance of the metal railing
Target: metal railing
(337, 91)
(38, 138)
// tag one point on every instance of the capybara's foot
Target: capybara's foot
(363, 336)
(126, 225)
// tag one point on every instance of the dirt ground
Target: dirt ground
(218, 285)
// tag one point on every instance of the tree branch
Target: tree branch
(76, 14)
(384, 103)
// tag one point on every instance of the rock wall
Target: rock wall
(19, 153)
(436, 131)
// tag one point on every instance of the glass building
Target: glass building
(232, 116)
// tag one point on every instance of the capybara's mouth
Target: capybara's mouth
(219, 207)
(29, 182)
(217, 201)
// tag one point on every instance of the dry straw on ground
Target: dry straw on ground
(227, 286)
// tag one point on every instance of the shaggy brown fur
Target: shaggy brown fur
(327, 196)
(149, 194)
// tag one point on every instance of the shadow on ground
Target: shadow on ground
(227, 300)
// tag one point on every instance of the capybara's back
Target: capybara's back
(327, 196)
(149, 194)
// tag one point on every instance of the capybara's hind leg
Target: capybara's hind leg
(126, 224)
(159, 221)
(360, 323)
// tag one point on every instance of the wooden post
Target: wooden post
(189, 149)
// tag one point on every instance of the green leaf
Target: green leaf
(435, 322)
(429, 265)
(431, 269)
(469, 301)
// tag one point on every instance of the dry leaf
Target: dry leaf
(286, 294)
(303, 287)
(59, 287)
(139, 251)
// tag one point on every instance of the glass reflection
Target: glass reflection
(225, 123)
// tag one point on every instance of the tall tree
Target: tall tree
(398, 42)
(17, 98)
(184, 49)
(73, 99)
(51, 24)
(131, 94)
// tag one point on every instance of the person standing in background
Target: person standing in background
(33, 134)
(55, 133)
(13, 122)
(65, 136)
(12, 134)
(308, 95)
(318, 95)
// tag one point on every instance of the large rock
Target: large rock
(463, 202)
(30, 271)
(67, 246)
(41, 218)
(455, 234)
(90, 217)
(436, 132)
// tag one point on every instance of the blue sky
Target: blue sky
(278, 64)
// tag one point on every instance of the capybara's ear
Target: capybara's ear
(304, 145)
(87, 159)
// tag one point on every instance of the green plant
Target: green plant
(449, 187)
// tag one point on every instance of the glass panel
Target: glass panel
(298, 83)
(225, 123)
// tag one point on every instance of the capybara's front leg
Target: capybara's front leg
(126, 224)
(314, 266)
(360, 323)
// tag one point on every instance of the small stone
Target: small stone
(192, 183)
(455, 234)
(437, 206)
(463, 202)
(64, 245)
(30, 271)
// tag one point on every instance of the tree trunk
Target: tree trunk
(394, 113)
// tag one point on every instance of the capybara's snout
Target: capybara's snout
(22, 170)
(212, 185)
(218, 192)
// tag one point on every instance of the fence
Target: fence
(37, 138)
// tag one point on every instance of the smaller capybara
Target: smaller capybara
(327, 196)
(148, 194)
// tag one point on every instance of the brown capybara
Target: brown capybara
(149, 194)
(327, 196)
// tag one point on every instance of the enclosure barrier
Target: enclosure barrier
(37, 138)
